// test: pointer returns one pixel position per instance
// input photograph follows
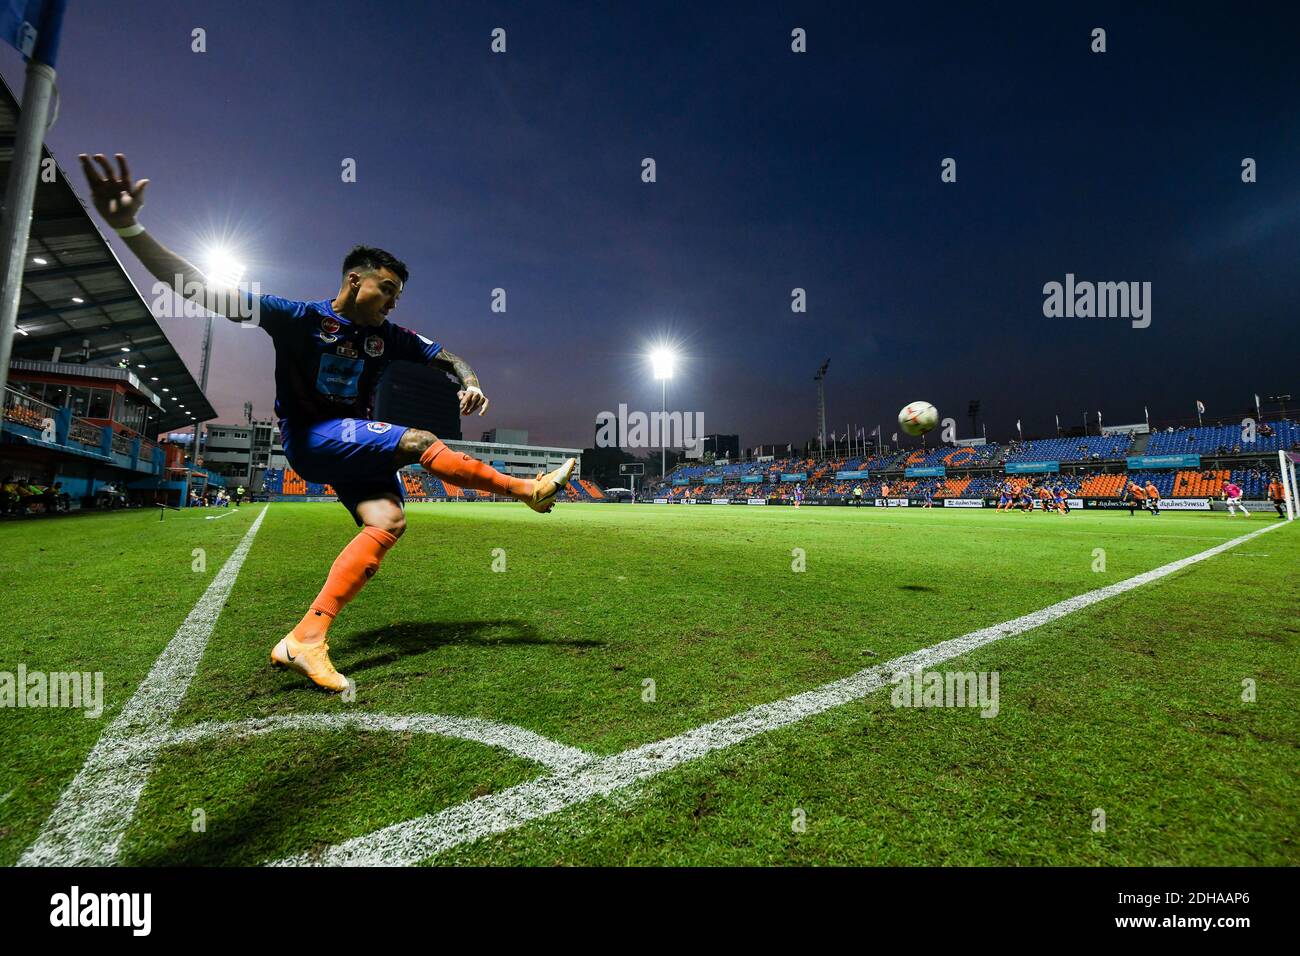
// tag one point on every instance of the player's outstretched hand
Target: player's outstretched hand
(472, 399)
(116, 199)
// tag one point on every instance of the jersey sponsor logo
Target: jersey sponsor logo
(346, 348)
(329, 325)
(378, 427)
(374, 346)
(327, 338)
(338, 376)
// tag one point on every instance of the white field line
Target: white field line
(87, 824)
(423, 837)
(517, 740)
(218, 517)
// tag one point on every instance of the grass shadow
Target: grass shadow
(407, 638)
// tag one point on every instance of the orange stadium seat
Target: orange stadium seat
(952, 487)
(1103, 486)
(1194, 484)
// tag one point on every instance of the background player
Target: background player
(1153, 497)
(1277, 494)
(1232, 493)
(1137, 497)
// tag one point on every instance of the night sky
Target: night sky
(775, 170)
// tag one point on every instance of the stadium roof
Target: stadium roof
(69, 260)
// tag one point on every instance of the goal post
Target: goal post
(1286, 471)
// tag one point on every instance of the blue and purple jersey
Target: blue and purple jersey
(327, 367)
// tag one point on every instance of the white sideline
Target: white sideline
(87, 824)
(418, 839)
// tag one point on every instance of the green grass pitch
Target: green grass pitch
(1133, 706)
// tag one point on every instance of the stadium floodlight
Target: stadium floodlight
(222, 268)
(663, 360)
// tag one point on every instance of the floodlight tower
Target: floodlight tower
(223, 272)
(662, 361)
(820, 379)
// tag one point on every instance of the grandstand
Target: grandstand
(1221, 440)
(1095, 468)
(1092, 448)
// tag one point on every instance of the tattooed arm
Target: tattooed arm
(471, 395)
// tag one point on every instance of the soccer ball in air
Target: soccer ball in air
(918, 418)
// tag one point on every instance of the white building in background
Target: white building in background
(232, 450)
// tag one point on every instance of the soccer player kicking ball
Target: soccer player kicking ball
(329, 356)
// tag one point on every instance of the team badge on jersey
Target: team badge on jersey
(378, 427)
(327, 338)
(374, 346)
(329, 325)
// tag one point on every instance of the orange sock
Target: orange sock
(355, 565)
(467, 472)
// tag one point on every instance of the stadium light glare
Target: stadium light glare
(663, 360)
(38, 260)
(77, 299)
(222, 268)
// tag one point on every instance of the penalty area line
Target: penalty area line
(418, 839)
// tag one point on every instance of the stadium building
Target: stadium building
(242, 453)
(93, 379)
